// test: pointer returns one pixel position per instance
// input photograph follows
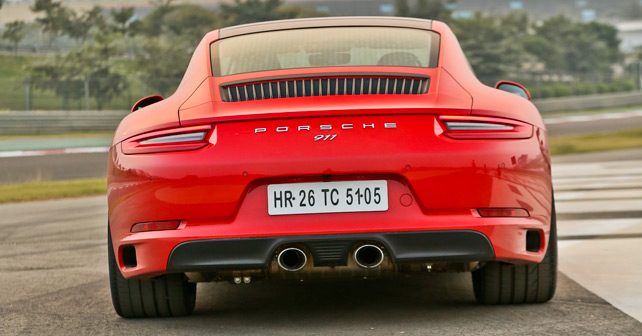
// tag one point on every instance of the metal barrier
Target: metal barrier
(51, 122)
(598, 101)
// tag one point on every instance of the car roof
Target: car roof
(339, 21)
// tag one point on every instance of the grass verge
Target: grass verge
(44, 190)
(577, 144)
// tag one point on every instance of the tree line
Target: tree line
(113, 47)
(499, 46)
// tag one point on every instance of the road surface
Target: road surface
(53, 278)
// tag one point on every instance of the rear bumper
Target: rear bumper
(440, 237)
(330, 250)
(219, 192)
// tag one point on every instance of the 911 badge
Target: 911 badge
(325, 137)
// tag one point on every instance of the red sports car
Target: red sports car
(329, 147)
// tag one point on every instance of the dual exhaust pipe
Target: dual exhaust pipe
(366, 256)
(292, 259)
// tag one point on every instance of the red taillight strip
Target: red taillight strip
(155, 226)
(471, 127)
(170, 140)
(503, 212)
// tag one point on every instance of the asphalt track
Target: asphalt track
(17, 166)
(52, 167)
(53, 278)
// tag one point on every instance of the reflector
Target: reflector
(503, 212)
(155, 226)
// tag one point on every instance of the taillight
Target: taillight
(470, 127)
(503, 212)
(172, 140)
(155, 226)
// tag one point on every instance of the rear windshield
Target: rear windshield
(325, 47)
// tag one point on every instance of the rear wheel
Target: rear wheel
(167, 295)
(501, 283)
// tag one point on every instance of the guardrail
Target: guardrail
(579, 103)
(51, 122)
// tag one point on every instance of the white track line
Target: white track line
(610, 268)
(25, 153)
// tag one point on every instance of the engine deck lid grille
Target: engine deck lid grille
(325, 86)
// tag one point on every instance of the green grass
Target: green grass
(13, 66)
(44, 190)
(576, 144)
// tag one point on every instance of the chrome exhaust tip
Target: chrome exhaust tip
(368, 256)
(292, 259)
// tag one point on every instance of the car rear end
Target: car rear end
(359, 155)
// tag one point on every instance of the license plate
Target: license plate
(327, 197)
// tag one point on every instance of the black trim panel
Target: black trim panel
(330, 250)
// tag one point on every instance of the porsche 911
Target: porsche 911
(329, 148)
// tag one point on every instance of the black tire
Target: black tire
(501, 283)
(163, 296)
